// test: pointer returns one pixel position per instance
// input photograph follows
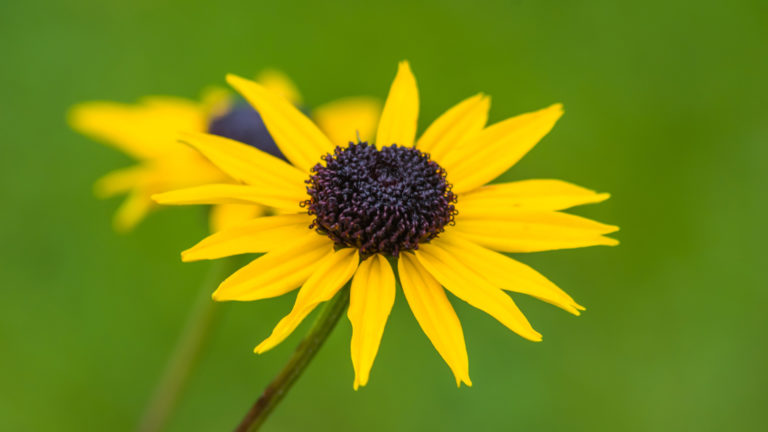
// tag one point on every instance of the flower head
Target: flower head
(148, 132)
(348, 210)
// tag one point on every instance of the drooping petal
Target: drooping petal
(232, 194)
(297, 137)
(401, 110)
(276, 272)
(462, 280)
(494, 150)
(132, 211)
(344, 120)
(435, 315)
(246, 163)
(144, 130)
(507, 273)
(450, 130)
(225, 216)
(505, 198)
(371, 298)
(254, 236)
(331, 273)
(534, 231)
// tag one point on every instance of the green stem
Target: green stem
(187, 351)
(299, 361)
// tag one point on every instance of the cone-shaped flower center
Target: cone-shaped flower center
(379, 201)
(243, 123)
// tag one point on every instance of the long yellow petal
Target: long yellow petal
(494, 150)
(277, 272)
(246, 163)
(450, 130)
(371, 298)
(329, 276)
(401, 110)
(502, 199)
(231, 194)
(435, 315)
(344, 120)
(278, 83)
(533, 231)
(507, 273)
(296, 136)
(254, 236)
(144, 130)
(463, 281)
(225, 216)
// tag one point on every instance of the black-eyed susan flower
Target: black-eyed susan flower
(148, 132)
(355, 211)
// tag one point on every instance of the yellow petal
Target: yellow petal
(132, 211)
(346, 119)
(465, 283)
(276, 272)
(401, 110)
(279, 84)
(329, 276)
(534, 231)
(494, 150)
(254, 236)
(435, 315)
(454, 126)
(296, 136)
(225, 216)
(144, 130)
(246, 163)
(371, 298)
(507, 273)
(502, 199)
(231, 194)
(121, 181)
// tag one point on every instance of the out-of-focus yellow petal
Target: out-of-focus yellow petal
(451, 129)
(505, 198)
(533, 231)
(225, 216)
(254, 236)
(121, 181)
(279, 84)
(401, 110)
(132, 211)
(298, 138)
(494, 150)
(435, 315)
(276, 272)
(344, 120)
(463, 281)
(507, 273)
(371, 298)
(246, 163)
(145, 130)
(231, 194)
(329, 276)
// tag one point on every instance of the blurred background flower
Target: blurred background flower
(665, 110)
(149, 131)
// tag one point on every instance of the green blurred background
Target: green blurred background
(665, 108)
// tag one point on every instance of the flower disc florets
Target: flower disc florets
(379, 201)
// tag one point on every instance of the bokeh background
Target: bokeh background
(665, 108)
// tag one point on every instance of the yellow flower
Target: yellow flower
(354, 211)
(148, 132)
